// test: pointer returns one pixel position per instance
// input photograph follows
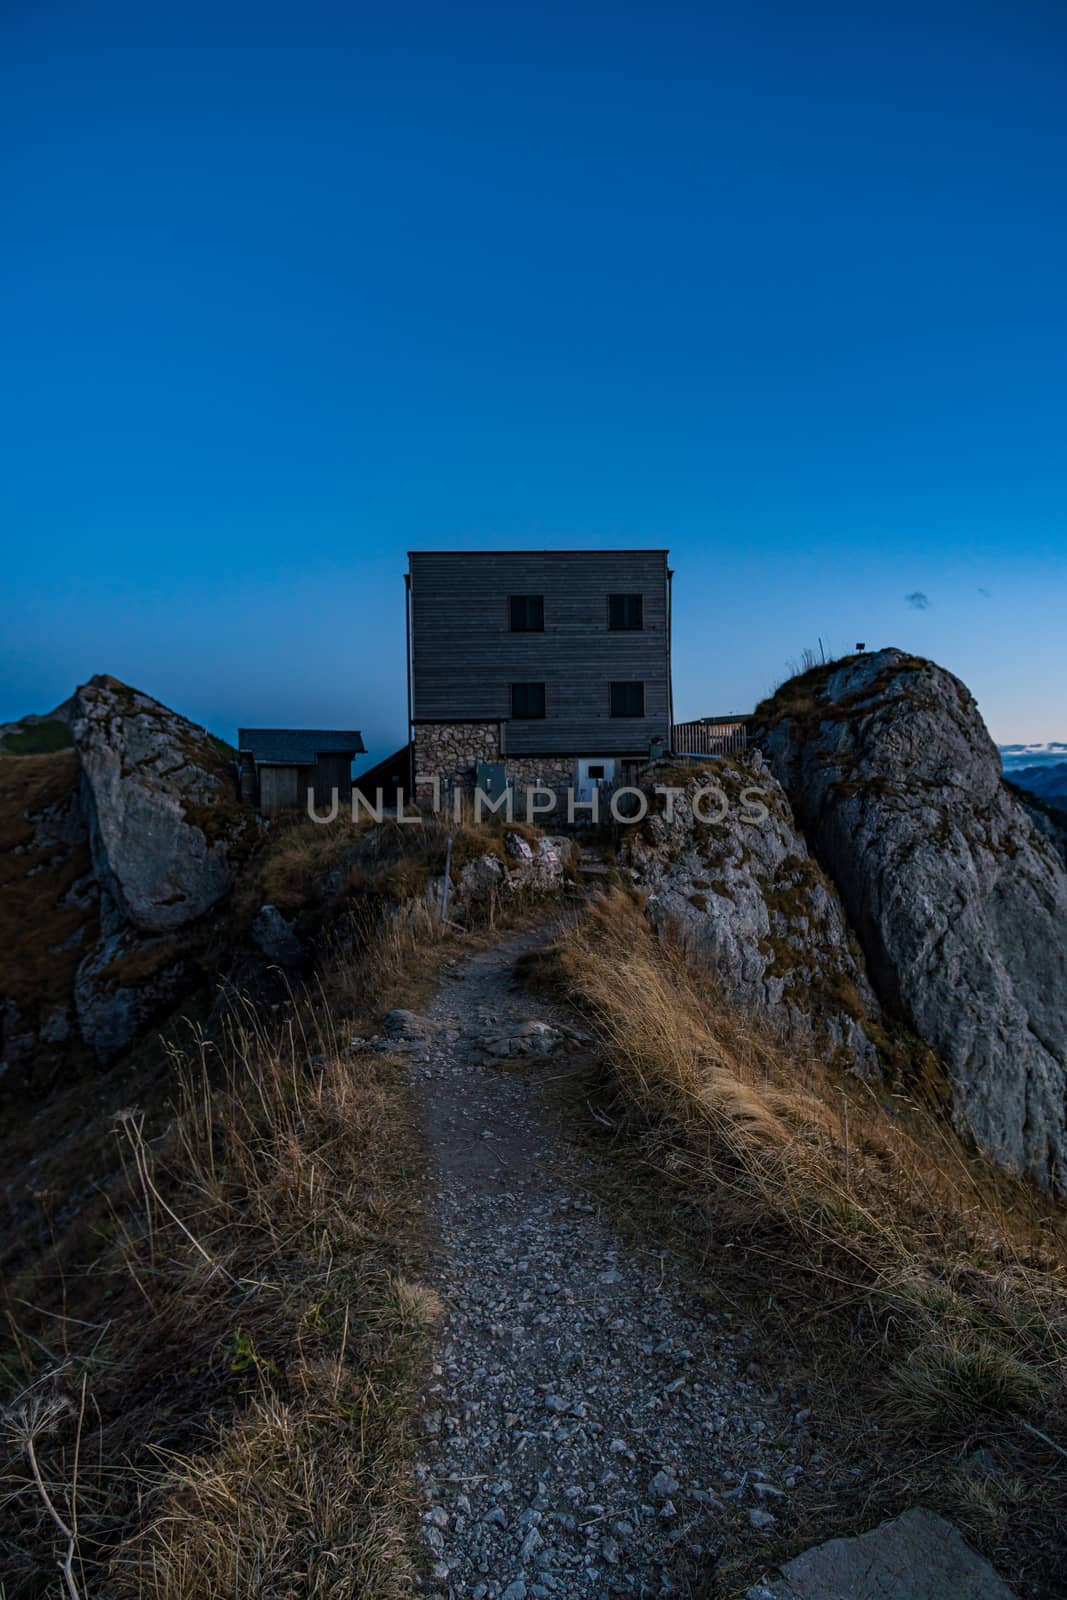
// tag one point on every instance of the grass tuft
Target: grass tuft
(933, 1286)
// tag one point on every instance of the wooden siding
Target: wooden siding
(333, 772)
(465, 657)
(284, 789)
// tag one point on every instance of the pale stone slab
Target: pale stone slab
(916, 1556)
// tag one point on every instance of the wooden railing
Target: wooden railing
(710, 738)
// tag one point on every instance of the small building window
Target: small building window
(626, 612)
(627, 699)
(527, 700)
(528, 614)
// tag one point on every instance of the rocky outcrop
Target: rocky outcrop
(166, 826)
(532, 1038)
(113, 855)
(959, 903)
(167, 834)
(524, 867)
(125, 984)
(723, 865)
(480, 880)
(1049, 820)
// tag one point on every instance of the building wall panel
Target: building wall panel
(465, 657)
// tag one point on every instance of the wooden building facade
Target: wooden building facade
(282, 767)
(555, 663)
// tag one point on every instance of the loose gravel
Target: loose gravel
(591, 1427)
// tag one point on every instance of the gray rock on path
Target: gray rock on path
(403, 1024)
(916, 1556)
(959, 903)
(524, 1039)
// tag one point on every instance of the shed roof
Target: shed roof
(299, 747)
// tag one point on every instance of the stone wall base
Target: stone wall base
(450, 753)
(558, 773)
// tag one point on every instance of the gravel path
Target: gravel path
(590, 1428)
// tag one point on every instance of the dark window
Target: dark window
(627, 699)
(626, 612)
(528, 614)
(596, 772)
(527, 699)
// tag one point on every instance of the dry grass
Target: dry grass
(317, 871)
(232, 1269)
(932, 1287)
(297, 855)
(802, 696)
(37, 738)
(249, 1334)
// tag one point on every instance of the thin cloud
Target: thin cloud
(917, 600)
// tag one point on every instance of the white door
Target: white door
(593, 772)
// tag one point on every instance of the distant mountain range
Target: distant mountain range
(1039, 768)
(1026, 755)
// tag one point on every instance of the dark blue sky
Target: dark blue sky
(288, 291)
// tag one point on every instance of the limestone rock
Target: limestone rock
(537, 868)
(540, 866)
(401, 1024)
(735, 879)
(480, 880)
(275, 938)
(916, 1556)
(115, 850)
(125, 984)
(1049, 820)
(165, 825)
(959, 903)
(525, 1039)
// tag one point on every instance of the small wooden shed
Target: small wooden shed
(280, 765)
